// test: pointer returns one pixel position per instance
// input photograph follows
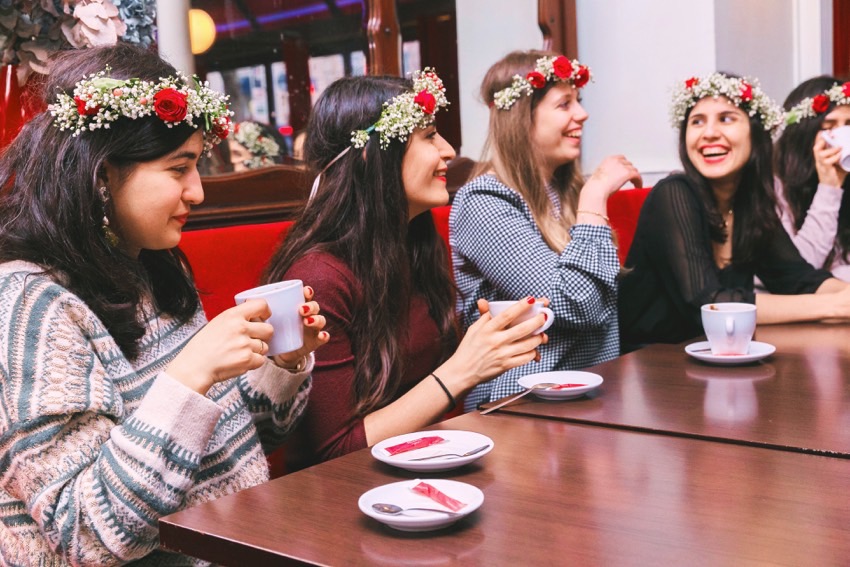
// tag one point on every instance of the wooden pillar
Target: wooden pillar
(296, 56)
(173, 34)
(384, 36)
(438, 49)
(841, 39)
(557, 21)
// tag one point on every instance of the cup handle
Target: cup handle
(828, 138)
(550, 318)
(730, 326)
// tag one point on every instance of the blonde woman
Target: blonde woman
(529, 225)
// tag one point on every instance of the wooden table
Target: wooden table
(555, 493)
(798, 399)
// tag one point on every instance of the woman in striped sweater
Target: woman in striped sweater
(119, 403)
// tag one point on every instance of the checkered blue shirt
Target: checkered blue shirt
(499, 254)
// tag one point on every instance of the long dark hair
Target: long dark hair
(360, 215)
(795, 163)
(51, 211)
(754, 204)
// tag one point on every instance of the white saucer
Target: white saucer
(458, 442)
(702, 351)
(588, 379)
(400, 494)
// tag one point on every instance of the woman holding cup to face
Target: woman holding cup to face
(529, 223)
(814, 205)
(122, 404)
(366, 243)
(703, 234)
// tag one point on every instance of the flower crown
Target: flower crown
(263, 148)
(811, 107)
(99, 100)
(546, 69)
(745, 94)
(407, 111)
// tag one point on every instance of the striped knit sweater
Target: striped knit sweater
(95, 448)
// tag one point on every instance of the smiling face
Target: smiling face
(556, 133)
(718, 142)
(423, 170)
(151, 204)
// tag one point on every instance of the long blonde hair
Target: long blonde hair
(509, 151)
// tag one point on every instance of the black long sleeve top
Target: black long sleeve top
(673, 272)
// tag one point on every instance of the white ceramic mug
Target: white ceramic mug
(729, 327)
(284, 299)
(497, 307)
(840, 137)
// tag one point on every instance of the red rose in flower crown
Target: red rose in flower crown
(746, 92)
(561, 67)
(582, 76)
(845, 89)
(427, 101)
(537, 80)
(83, 109)
(170, 105)
(691, 83)
(820, 103)
(222, 129)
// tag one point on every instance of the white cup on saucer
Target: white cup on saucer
(840, 137)
(497, 307)
(284, 299)
(729, 327)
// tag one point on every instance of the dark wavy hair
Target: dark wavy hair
(795, 164)
(360, 215)
(754, 205)
(51, 211)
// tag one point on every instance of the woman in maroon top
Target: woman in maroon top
(366, 243)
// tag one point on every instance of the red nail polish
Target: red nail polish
(305, 309)
(545, 317)
(310, 320)
(310, 289)
(530, 300)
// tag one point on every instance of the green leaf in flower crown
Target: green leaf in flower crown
(107, 83)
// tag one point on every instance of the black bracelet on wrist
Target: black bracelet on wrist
(449, 395)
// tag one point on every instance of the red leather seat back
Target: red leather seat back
(230, 259)
(623, 210)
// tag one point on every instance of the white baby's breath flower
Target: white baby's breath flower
(746, 94)
(407, 111)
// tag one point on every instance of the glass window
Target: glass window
(275, 57)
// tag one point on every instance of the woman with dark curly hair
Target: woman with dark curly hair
(703, 234)
(120, 403)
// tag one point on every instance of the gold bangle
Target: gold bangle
(594, 213)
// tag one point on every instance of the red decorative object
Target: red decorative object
(427, 101)
(537, 80)
(17, 105)
(820, 103)
(170, 105)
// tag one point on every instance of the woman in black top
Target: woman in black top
(702, 235)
